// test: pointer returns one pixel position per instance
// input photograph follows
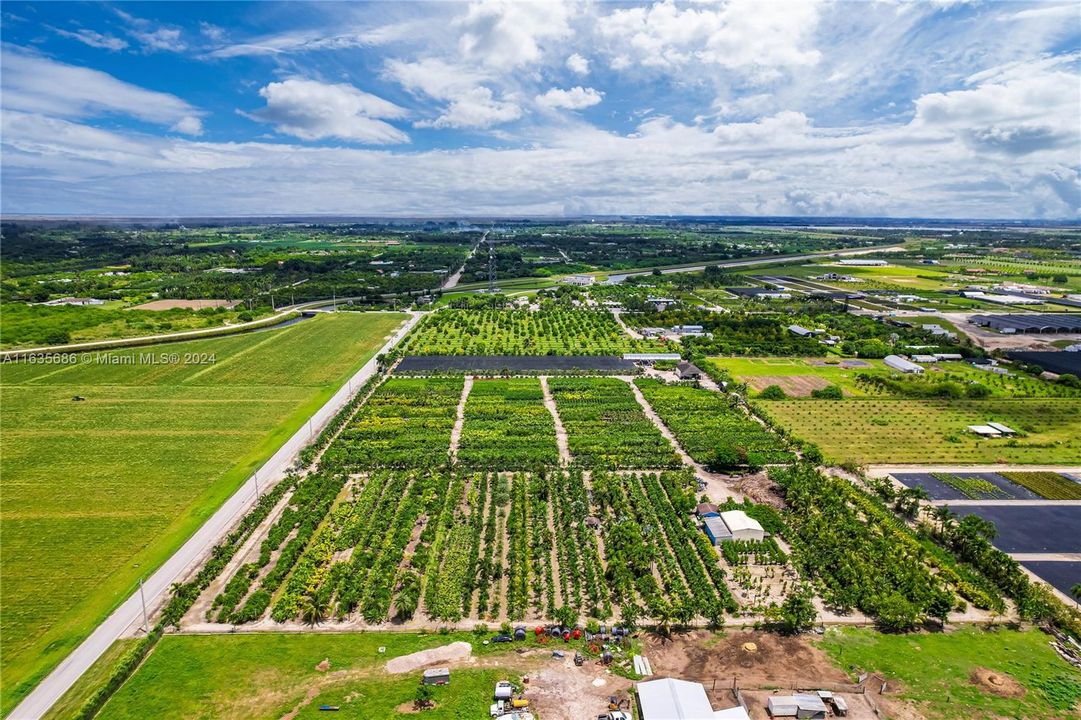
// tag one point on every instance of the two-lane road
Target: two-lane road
(197, 548)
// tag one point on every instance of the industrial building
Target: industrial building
(899, 363)
(1035, 323)
(584, 280)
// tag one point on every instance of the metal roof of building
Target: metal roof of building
(737, 520)
(672, 699)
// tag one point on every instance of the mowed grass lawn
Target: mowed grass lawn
(935, 670)
(886, 431)
(98, 493)
(268, 675)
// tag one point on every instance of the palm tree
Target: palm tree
(1076, 592)
(312, 610)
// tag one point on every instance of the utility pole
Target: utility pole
(146, 619)
(491, 265)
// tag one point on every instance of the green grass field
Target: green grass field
(887, 430)
(98, 493)
(761, 372)
(268, 675)
(935, 670)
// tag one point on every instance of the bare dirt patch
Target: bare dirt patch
(561, 691)
(793, 385)
(996, 683)
(185, 304)
(444, 653)
(762, 490)
(775, 661)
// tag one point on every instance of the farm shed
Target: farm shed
(706, 510)
(1004, 429)
(437, 676)
(661, 303)
(949, 356)
(797, 330)
(715, 529)
(742, 526)
(859, 262)
(984, 430)
(798, 706)
(687, 371)
(688, 329)
(651, 331)
(924, 358)
(899, 363)
(672, 699)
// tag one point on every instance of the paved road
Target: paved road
(452, 281)
(620, 277)
(221, 331)
(195, 550)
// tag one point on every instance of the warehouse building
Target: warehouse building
(731, 525)
(899, 363)
(1036, 323)
(672, 699)
(688, 371)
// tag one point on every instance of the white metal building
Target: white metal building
(899, 363)
(742, 526)
(672, 699)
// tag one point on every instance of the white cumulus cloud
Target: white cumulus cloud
(312, 110)
(576, 98)
(578, 64)
(476, 108)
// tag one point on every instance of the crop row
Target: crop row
(711, 427)
(758, 552)
(507, 427)
(858, 552)
(521, 332)
(481, 545)
(606, 426)
(1046, 484)
(406, 423)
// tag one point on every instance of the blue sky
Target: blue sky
(740, 107)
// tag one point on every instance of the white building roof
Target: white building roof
(672, 699)
(652, 356)
(984, 430)
(732, 713)
(899, 363)
(1006, 430)
(737, 520)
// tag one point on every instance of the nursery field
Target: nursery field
(507, 427)
(606, 426)
(406, 423)
(100, 491)
(522, 332)
(710, 428)
(934, 431)
(485, 546)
